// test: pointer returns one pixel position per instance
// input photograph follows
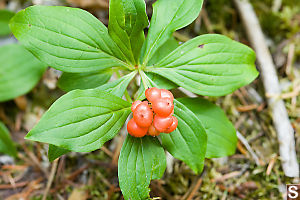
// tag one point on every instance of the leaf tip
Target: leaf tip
(29, 136)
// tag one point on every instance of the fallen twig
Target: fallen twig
(271, 165)
(228, 176)
(285, 132)
(248, 147)
(17, 185)
(247, 108)
(50, 179)
(77, 172)
(195, 189)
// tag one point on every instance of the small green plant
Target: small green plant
(20, 71)
(6, 144)
(93, 112)
(5, 16)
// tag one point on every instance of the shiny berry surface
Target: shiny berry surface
(143, 114)
(166, 93)
(173, 126)
(153, 94)
(135, 130)
(135, 104)
(163, 107)
(153, 131)
(162, 123)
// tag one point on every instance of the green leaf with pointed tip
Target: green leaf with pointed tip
(72, 81)
(127, 21)
(68, 39)
(82, 120)
(188, 142)
(141, 160)
(221, 134)
(211, 65)
(20, 71)
(55, 152)
(118, 86)
(6, 144)
(168, 16)
(5, 16)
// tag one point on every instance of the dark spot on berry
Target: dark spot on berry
(29, 25)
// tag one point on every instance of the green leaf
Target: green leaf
(72, 81)
(55, 152)
(161, 81)
(211, 65)
(68, 39)
(221, 134)
(82, 120)
(141, 160)
(6, 144)
(127, 21)
(170, 45)
(20, 71)
(118, 86)
(188, 141)
(168, 16)
(140, 94)
(5, 16)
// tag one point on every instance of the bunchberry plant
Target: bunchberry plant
(77, 43)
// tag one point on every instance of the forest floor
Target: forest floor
(240, 176)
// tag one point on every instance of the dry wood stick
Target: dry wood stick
(285, 132)
(50, 179)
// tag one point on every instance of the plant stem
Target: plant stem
(144, 79)
(127, 96)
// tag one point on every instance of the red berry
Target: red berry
(143, 115)
(152, 94)
(163, 107)
(173, 126)
(162, 123)
(166, 93)
(153, 131)
(135, 130)
(135, 104)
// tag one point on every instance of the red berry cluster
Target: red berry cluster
(155, 117)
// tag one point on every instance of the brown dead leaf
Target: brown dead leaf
(78, 194)
(2, 4)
